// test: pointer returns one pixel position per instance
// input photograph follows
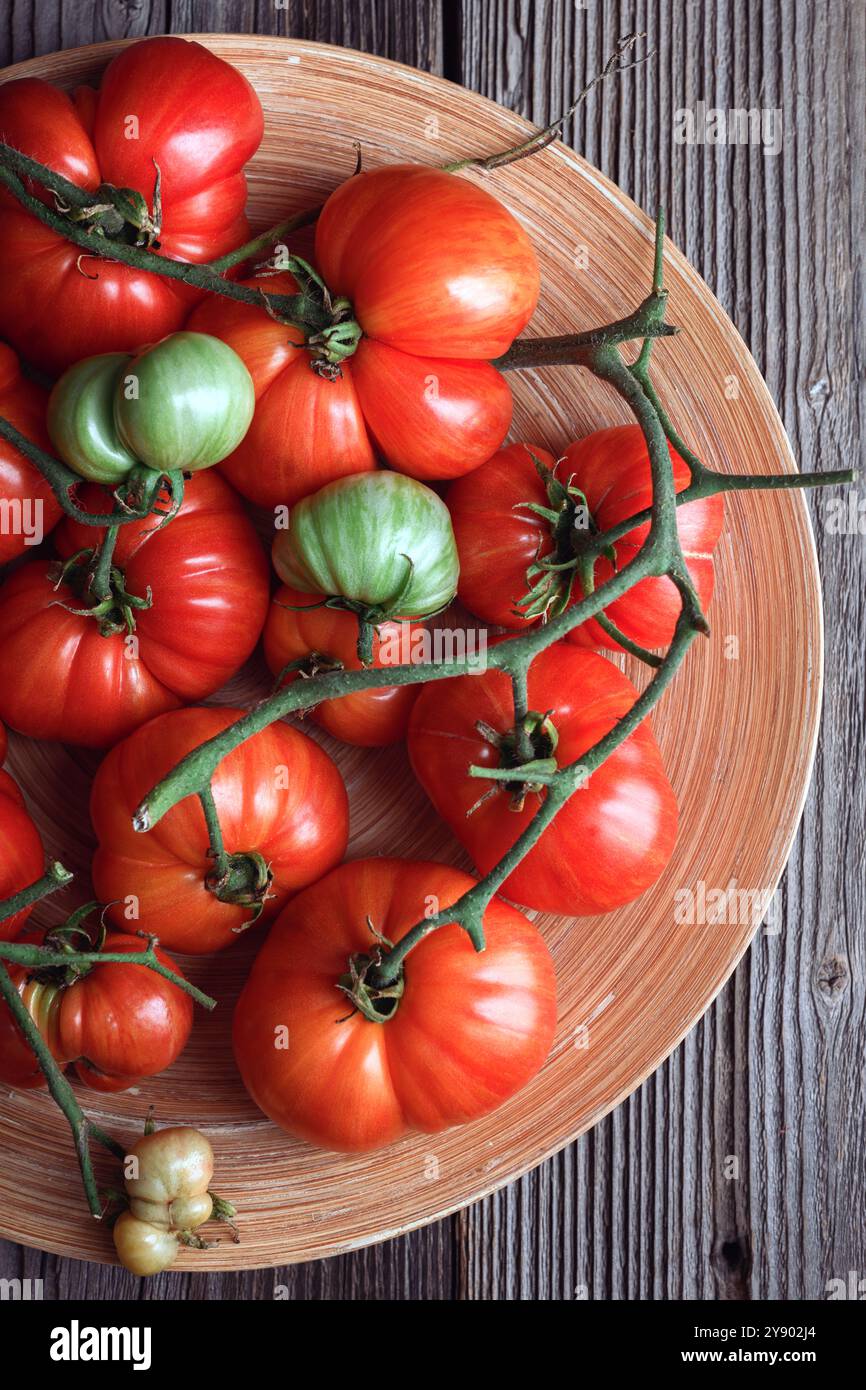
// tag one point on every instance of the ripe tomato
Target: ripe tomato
(28, 507)
(611, 469)
(497, 539)
(22, 858)
(468, 1031)
(433, 305)
(282, 807)
(380, 542)
(179, 405)
(117, 1024)
(163, 102)
(610, 841)
(60, 678)
(313, 638)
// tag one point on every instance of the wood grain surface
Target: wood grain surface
(643, 1207)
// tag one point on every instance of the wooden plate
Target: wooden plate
(738, 730)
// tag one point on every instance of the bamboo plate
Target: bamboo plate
(738, 728)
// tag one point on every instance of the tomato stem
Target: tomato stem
(542, 138)
(55, 877)
(38, 958)
(64, 483)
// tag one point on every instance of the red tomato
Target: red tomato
(497, 539)
(469, 1030)
(28, 507)
(322, 638)
(611, 467)
(278, 796)
(610, 841)
(61, 679)
(117, 1024)
(433, 307)
(199, 120)
(22, 858)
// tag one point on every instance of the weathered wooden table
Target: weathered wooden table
(771, 1083)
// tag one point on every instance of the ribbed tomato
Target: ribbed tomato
(163, 103)
(117, 1024)
(498, 537)
(609, 842)
(60, 678)
(468, 1030)
(28, 507)
(22, 858)
(284, 815)
(441, 278)
(301, 633)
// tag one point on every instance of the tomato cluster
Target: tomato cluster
(114, 633)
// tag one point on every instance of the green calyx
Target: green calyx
(329, 325)
(102, 591)
(74, 939)
(120, 214)
(551, 577)
(243, 880)
(378, 1002)
(526, 757)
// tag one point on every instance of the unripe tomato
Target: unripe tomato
(170, 1172)
(188, 405)
(167, 1175)
(380, 541)
(143, 1249)
(183, 403)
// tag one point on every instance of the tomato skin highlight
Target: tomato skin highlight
(498, 539)
(23, 404)
(279, 795)
(432, 263)
(369, 719)
(117, 1024)
(469, 1031)
(60, 679)
(22, 857)
(610, 841)
(199, 120)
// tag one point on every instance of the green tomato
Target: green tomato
(381, 541)
(81, 419)
(184, 403)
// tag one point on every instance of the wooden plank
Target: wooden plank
(408, 30)
(772, 1080)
